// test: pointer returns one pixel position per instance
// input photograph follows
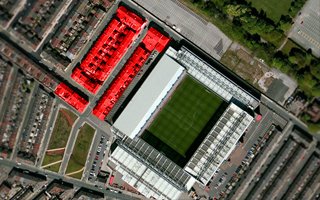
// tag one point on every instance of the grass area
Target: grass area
(77, 175)
(59, 137)
(288, 46)
(79, 155)
(314, 128)
(243, 64)
(51, 158)
(184, 116)
(273, 8)
(54, 168)
(62, 129)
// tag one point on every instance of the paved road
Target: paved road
(47, 134)
(185, 22)
(269, 151)
(95, 158)
(273, 106)
(7, 93)
(255, 130)
(25, 120)
(76, 183)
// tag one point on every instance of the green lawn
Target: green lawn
(288, 46)
(184, 116)
(59, 137)
(51, 158)
(79, 155)
(54, 168)
(77, 175)
(273, 8)
(62, 129)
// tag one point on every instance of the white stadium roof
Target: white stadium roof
(149, 96)
(143, 178)
(219, 143)
(212, 78)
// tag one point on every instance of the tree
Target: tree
(297, 56)
(315, 70)
(236, 10)
(284, 23)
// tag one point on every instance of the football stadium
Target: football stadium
(184, 116)
(183, 121)
(176, 116)
(180, 125)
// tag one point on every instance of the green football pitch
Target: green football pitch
(184, 116)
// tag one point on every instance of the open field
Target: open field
(184, 116)
(51, 159)
(62, 129)
(81, 148)
(59, 136)
(54, 168)
(77, 175)
(273, 8)
(245, 66)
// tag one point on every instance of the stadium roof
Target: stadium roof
(149, 96)
(139, 174)
(219, 143)
(212, 78)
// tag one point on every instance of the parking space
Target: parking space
(306, 30)
(258, 136)
(204, 34)
(97, 157)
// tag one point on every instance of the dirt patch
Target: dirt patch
(245, 65)
(67, 116)
(55, 152)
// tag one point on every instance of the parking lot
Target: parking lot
(306, 30)
(97, 157)
(176, 15)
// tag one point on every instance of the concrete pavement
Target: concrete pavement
(47, 134)
(75, 182)
(189, 25)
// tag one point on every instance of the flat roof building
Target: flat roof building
(149, 96)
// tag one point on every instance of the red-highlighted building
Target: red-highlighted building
(108, 49)
(154, 40)
(71, 97)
